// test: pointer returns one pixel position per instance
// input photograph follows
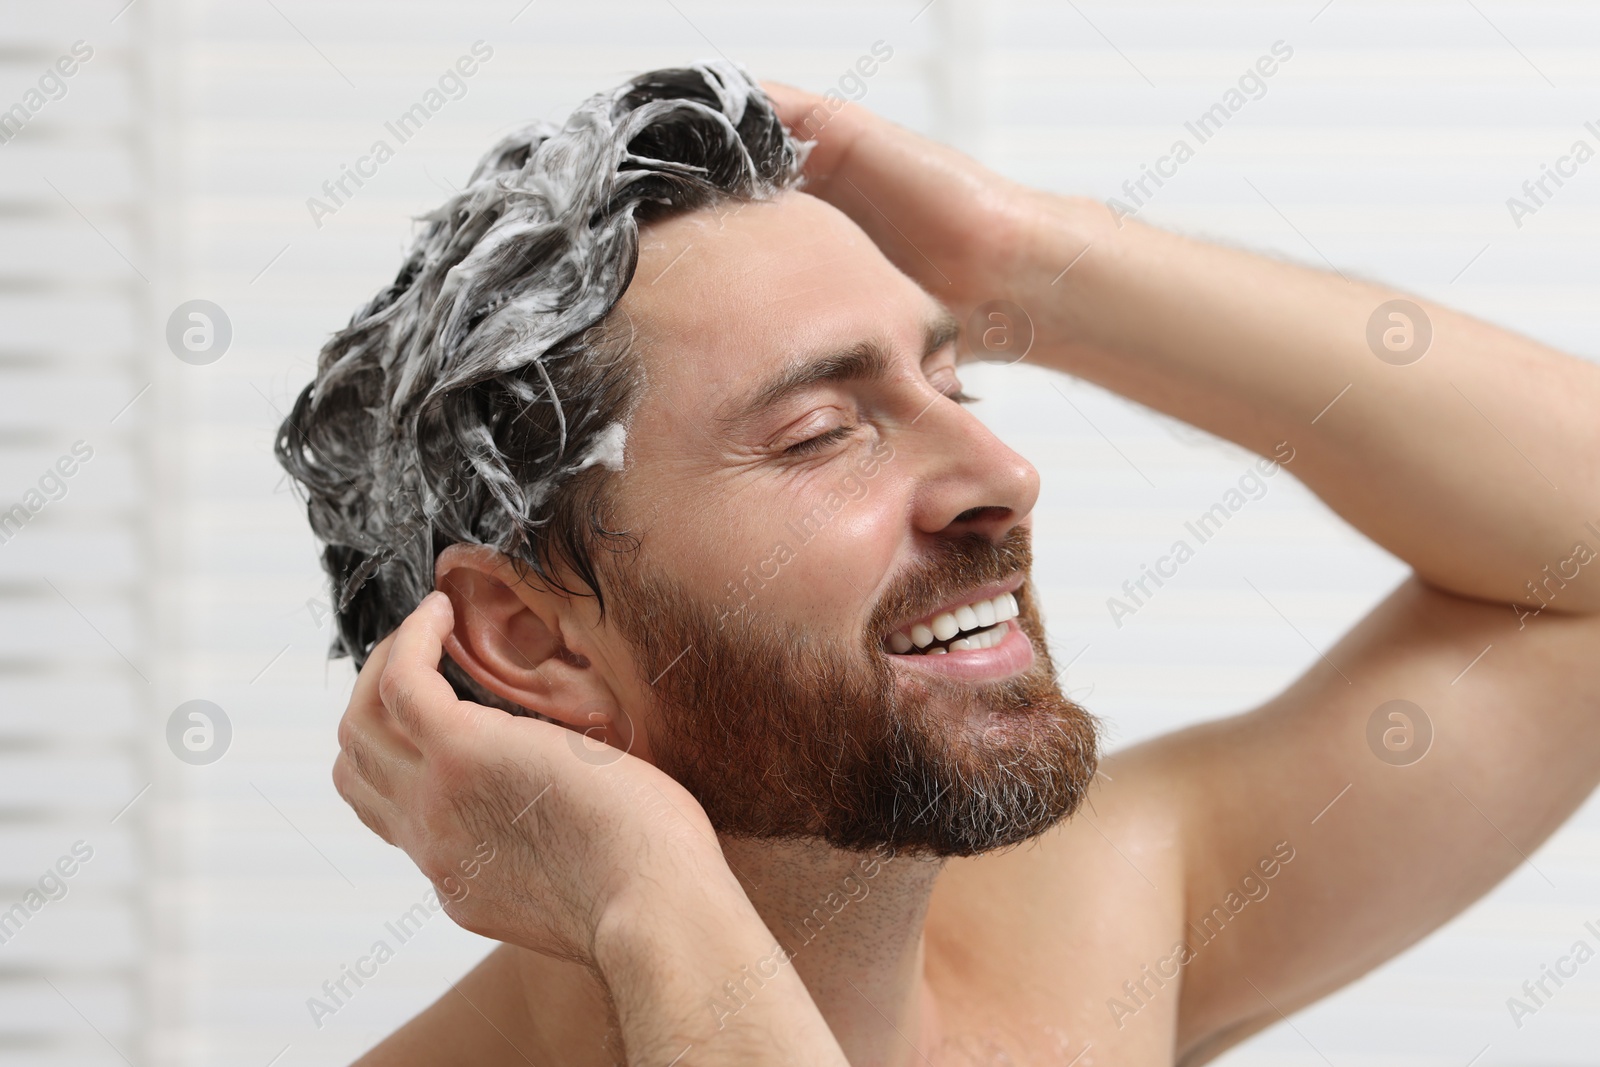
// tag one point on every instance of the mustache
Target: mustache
(953, 567)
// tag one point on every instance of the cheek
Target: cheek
(734, 556)
(842, 553)
(812, 552)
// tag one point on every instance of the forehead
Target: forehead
(726, 296)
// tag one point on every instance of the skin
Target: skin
(621, 912)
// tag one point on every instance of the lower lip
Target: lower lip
(1013, 655)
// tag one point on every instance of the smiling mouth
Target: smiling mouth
(975, 625)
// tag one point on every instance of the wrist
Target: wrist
(665, 950)
(1065, 252)
(1067, 230)
(659, 909)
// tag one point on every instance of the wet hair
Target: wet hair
(484, 396)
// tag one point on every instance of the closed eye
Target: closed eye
(840, 433)
(949, 386)
(819, 442)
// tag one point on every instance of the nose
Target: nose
(968, 480)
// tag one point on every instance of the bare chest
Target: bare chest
(977, 1028)
(1080, 975)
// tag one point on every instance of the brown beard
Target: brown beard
(781, 733)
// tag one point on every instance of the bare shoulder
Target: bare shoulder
(1296, 827)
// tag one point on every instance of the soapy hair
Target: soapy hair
(484, 396)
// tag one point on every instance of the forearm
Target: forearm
(668, 959)
(1478, 464)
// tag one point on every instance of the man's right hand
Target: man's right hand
(526, 841)
(612, 865)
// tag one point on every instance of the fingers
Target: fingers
(410, 685)
(375, 770)
(371, 807)
(832, 122)
(372, 750)
(366, 733)
(791, 103)
(379, 768)
(365, 694)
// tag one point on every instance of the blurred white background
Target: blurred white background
(178, 566)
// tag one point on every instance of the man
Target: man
(682, 448)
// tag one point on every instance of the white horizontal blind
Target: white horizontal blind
(77, 663)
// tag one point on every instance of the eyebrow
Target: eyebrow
(864, 361)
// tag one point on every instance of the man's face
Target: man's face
(811, 502)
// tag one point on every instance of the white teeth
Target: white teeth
(986, 617)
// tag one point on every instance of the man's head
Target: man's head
(766, 477)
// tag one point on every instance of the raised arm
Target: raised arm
(1474, 458)
(1466, 450)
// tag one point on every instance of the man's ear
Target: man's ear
(508, 637)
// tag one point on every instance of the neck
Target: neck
(852, 924)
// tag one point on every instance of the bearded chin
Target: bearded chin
(781, 735)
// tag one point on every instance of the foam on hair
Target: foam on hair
(483, 397)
